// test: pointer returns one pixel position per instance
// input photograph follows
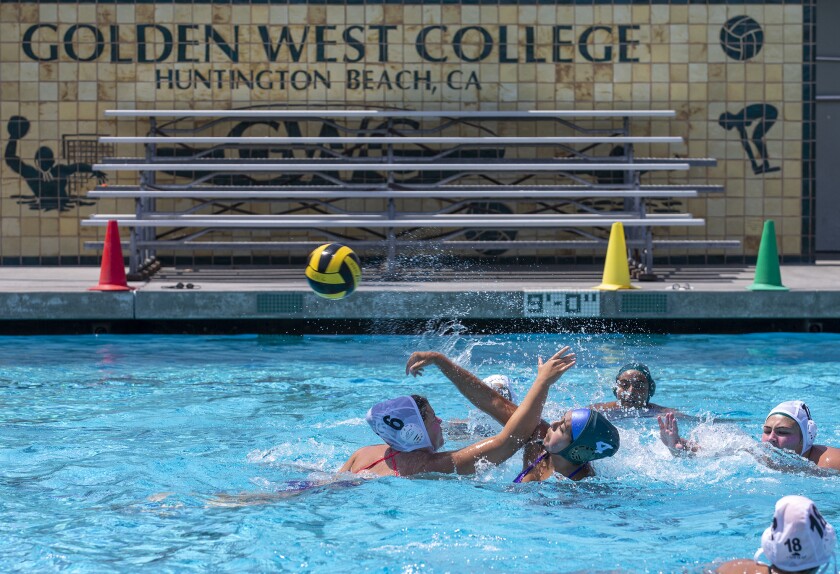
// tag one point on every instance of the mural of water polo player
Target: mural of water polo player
(47, 180)
(760, 117)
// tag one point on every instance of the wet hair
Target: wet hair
(422, 405)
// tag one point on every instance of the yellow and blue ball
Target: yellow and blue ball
(333, 271)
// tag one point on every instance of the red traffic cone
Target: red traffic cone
(112, 271)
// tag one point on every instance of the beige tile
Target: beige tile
(584, 72)
(641, 73)
(754, 91)
(679, 72)
(792, 93)
(125, 14)
(793, 131)
(755, 74)
(660, 54)
(642, 13)
(659, 92)
(603, 92)
(106, 14)
(678, 14)
(735, 73)
(10, 71)
(793, 55)
(9, 91)
(48, 72)
(10, 32)
(679, 34)
(583, 91)
(144, 13)
(10, 13)
(679, 53)
(773, 53)
(717, 91)
(659, 72)
(31, 13)
(641, 92)
(698, 53)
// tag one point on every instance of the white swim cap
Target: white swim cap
(799, 537)
(398, 423)
(502, 385)
(798, 411)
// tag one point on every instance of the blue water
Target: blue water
(171, 454)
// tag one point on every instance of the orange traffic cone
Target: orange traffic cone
(112, 271)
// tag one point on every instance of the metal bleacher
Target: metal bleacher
(389, 179)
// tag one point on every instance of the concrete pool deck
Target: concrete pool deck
(686, 299)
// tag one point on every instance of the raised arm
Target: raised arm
(669, 434)
(469, 385)
(516, 431)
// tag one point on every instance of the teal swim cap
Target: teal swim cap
(642, 368)
(593, 437)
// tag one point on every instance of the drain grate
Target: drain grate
(643, 303)
(272, 303)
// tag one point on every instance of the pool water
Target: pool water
(180, 453)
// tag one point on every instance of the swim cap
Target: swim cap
(398, 422)
(501, 384)
(799, 538)
(593, 437)
(642, 368)
(798, 411)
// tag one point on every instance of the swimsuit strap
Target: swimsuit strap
(541, 458)
(577, 470)
(384, 458)
(525, 472)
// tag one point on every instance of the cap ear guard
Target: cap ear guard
(597, 439)
(812, 426)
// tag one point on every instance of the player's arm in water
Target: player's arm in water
(669, 433)
(482, 396)
(516, 432)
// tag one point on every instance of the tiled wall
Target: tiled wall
(63, 64)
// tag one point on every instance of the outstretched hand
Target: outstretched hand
(552, 369)
(669, 433)
(101, 177)
(417, 361)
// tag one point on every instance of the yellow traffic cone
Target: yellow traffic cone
(616, 270)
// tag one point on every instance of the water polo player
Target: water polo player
(412, 433)
(633, 389)
(788, 426)
(565, 447)
(479, 423)
(798, 540)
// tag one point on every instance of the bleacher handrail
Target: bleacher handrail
(318, 114)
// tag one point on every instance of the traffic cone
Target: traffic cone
(768, 277)
(112, 271)
(616, 270)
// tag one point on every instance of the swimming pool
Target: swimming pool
(127, 453)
